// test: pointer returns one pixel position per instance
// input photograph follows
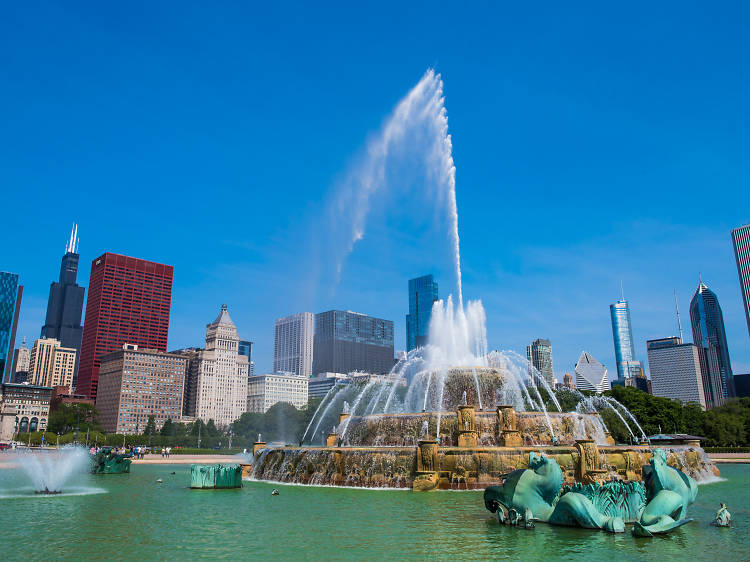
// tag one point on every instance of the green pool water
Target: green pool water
(133, 517)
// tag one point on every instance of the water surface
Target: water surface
(138, 518)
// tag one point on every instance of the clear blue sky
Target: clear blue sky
(592, 145)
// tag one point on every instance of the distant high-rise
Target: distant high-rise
(591, 375)
(675, 370)
(65, 303)
(741, 240)
(10, 306)
(51, 364)
(293, 344)
(21, 359)
(128, 302)
(136, 383)
(245, 347)
(423, 292)
(622, 333)
(216, 385)
(348, 341)
(539, 354)
(708, 335)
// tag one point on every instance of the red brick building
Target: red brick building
(128, 302)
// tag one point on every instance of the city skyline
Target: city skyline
(513, 151)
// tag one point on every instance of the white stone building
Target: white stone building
(675, 370)
(293, 344)
(216, 384)
(266, 390)
(591, 375)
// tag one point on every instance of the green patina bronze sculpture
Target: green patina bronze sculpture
(106, 461)
(536, 494)
(723, 517)
(215, 476)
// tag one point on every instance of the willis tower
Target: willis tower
(66, 303)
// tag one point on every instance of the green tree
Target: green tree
(65, 417)
(150, 428)
(167, 430)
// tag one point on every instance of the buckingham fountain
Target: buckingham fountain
(454, 416)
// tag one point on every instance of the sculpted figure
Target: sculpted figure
(669, 492)
(723, 517)
(534, 492)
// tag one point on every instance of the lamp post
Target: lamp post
(199, 433)
(58, 439)
(230, 438)
(78, 422)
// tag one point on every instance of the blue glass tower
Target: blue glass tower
(423, 292)
(10, 305)
(622, 334)
(709, 337)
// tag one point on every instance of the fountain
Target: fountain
(51, 472)
(452, 414)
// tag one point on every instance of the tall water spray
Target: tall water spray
(419, 122)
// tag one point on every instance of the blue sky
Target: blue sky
(593, 145)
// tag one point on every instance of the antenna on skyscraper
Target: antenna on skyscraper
(677, 308)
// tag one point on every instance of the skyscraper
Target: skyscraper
(741, 241)
(10, 306)
(675, 370)
(347, 341)
(423, 292)
(622, 333)
(293, 344)
(128, 302)
(65, 303)
(216, 385)
(539, 354)
(245, 347)
(51, 364)
(708, 335)
(21, 360)
(591, 375)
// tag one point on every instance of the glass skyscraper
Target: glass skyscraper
(741, 241)
(65, 304)
(622, 333)
(10, 304)
(539, 354)
(707, 322)
(347, 341)
(423, 292)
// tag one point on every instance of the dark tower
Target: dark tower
(709, 337)
(66, 303)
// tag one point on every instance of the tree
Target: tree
(150, 428)
(65, 417)
(167, 430)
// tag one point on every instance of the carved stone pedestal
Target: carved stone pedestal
(588, 469)
(467, 428)
(343, 416)
(511, 438)
(609, 438)
(332, 440)
(426, 477)
(257, 446)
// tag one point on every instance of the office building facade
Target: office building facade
(51, 364)
(675, 370)
(348, 341)
(741, 242)
(322, 383)
(31, 403)
(129, 302)
(216, 387)
(622, 334)
(591, 375)
(10, 306)
(266, 390)
(135, 383)
(293, 340)
(423, 292)
(65, 303)
(539, 355)
(707, 322)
